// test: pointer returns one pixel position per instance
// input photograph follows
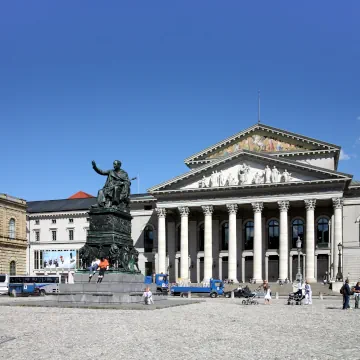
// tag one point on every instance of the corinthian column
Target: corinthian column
(208, 260)
(284, 241)
(184, 243)
(257, 262)
(232, 208)
(337, 224)
(310, 240)
(161, 212)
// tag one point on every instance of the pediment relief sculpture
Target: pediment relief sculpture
(258, 143)
(245, 175)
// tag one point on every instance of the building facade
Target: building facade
(13, 242)
(238, 212)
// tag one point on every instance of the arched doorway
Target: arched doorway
(12, 268)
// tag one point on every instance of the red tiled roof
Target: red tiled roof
(81, 195)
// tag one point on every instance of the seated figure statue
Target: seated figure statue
(116, 191)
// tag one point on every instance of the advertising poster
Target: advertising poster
(59, 259)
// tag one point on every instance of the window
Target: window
(201, 237)
(12, 229)
(178, 238)
(87, 219)
(225, 236)
(273, 234)
(147, 207)
(36, 259)
(249, 236)
(53, 221)
(53, 234)
(37, 222)
(71, 234)
(12, 268)
(322, 232)
(37, 235)
(71, 221)
(297, 229)
(148, 239)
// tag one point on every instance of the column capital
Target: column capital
(232, 208)
(208, 209)
(257, 207)
(310, 204)
(337, 203)
(184, 211)
(161, 212)
(284, 205)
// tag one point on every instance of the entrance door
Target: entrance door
(248, 268)
(273, 269)
(322, 267)
(148, 268)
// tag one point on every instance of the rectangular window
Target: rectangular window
(37, 222)
(71, 234)
(71, 220)
(53, 235)
(37, 235)
(53, 221)
(36, 259)
(41, 260)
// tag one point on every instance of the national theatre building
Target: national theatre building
(238, 213)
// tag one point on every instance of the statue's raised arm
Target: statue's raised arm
(99, 171)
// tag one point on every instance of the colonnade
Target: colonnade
(257, 207)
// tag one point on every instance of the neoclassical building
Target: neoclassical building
(236, 213)
(244, 202)
(13, 242)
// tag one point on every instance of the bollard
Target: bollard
(321, 296)
(277, 296)
(189, 295)
(232, 295)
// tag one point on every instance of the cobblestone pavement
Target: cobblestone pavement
(214, 329)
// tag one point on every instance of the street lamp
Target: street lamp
(298, 247)
(339, 276)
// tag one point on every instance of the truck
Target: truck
(161, 281)
(216, 288)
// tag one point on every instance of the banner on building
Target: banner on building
(65, 259)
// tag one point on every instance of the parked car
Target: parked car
(239, 293)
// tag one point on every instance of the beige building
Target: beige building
(13, 243)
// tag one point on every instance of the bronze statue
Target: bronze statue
(116, 191)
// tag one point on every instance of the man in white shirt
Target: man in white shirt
(94, 266)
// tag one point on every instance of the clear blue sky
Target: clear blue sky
(152, 82)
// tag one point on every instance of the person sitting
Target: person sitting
(94, 266)
(148, 296)
(103, 266)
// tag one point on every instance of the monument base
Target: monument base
(115, 288)
(109, 237)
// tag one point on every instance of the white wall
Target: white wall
(325, 161)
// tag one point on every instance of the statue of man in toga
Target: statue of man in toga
(116, 191)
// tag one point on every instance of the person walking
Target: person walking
(267, 292)
(103, 266)
(346, 292)
(356, 290)
(308, 293)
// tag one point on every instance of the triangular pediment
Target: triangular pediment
(260, 138)
(246, 168)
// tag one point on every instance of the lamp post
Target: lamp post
(339, 276)
(298, 247)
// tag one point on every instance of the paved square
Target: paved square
(214, 329)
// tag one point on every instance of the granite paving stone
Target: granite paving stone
(210, 329)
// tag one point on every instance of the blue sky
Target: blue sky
(152, 82)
